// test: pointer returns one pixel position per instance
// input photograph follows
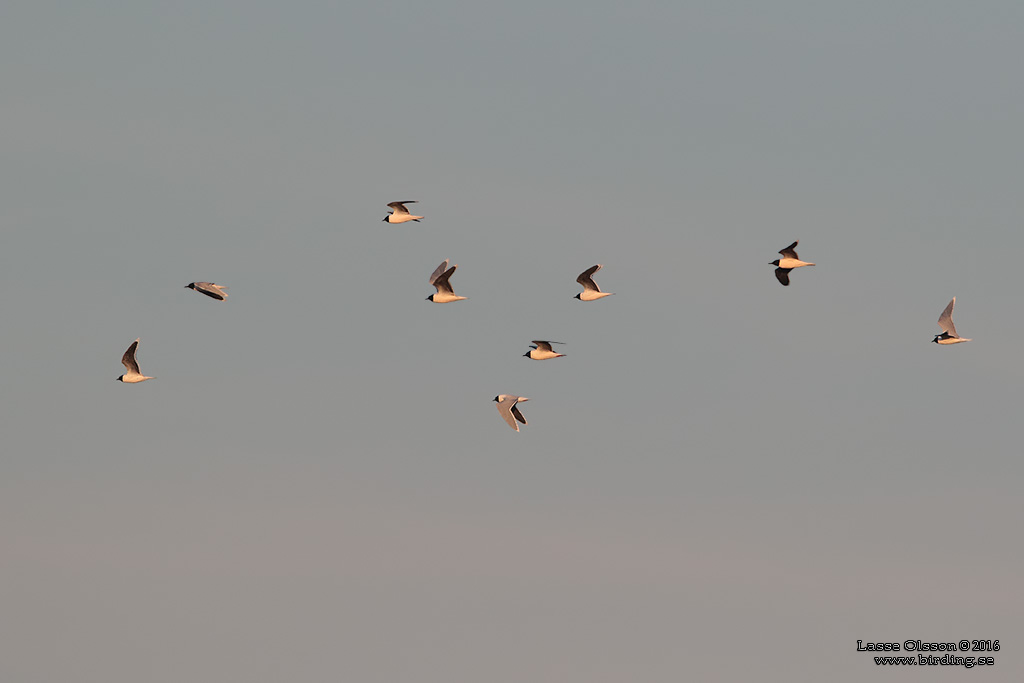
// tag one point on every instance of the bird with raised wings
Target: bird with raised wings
(949, 335)
(591, 292)
(439, 278)
(131, 366)
(788, 262)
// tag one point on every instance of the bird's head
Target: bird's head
(527, 354)
(121, 378)
(578, 296)
(936, 340)
(429, 298)
(385, 219)
(774, 263)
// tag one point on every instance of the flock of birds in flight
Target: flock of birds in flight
(542, 350)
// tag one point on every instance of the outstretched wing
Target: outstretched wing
(586, 278)
(211, 290)
(946, 320)
(437, 271)
(441, 282)
(790, 251)
(783, 275)
(518, 415)
(505, 407)
(399, 207)
(128, 359)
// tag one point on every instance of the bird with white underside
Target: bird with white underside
(591, 292)
(543, 350)
(439, 278)
(400, 214)
(508, 410)
(132, 373)
(949, 335)
(788, 262)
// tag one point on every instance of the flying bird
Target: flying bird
(788, 262)
(949, 335)
(439, 278)
(400, 214)
(543, 350)
(508, 410)
(210, 289)
(591, 291)
(132, 376)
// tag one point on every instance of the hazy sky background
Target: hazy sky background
(724, 480)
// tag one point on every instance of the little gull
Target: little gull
(508, 410)
(439, 278)
(949, 335)
(400, 214)
(543, 350)
(591, 291)
(131, 365)
(788, 262)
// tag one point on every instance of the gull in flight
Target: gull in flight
(949, 335)
(400, 214)
(591, 291)
(508, 410)
(209, 289)
(788, 262)
(543, 350)
(439, 278)
(132, 375)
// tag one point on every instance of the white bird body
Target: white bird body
(949, 335)
(943, 339)
(446, 298)
(588, 295)
(543, 351)
(791, 263)
(400, 214)
(591, 292)
(132, 374)
(508, 410)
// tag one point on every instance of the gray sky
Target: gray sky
(723, 480)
